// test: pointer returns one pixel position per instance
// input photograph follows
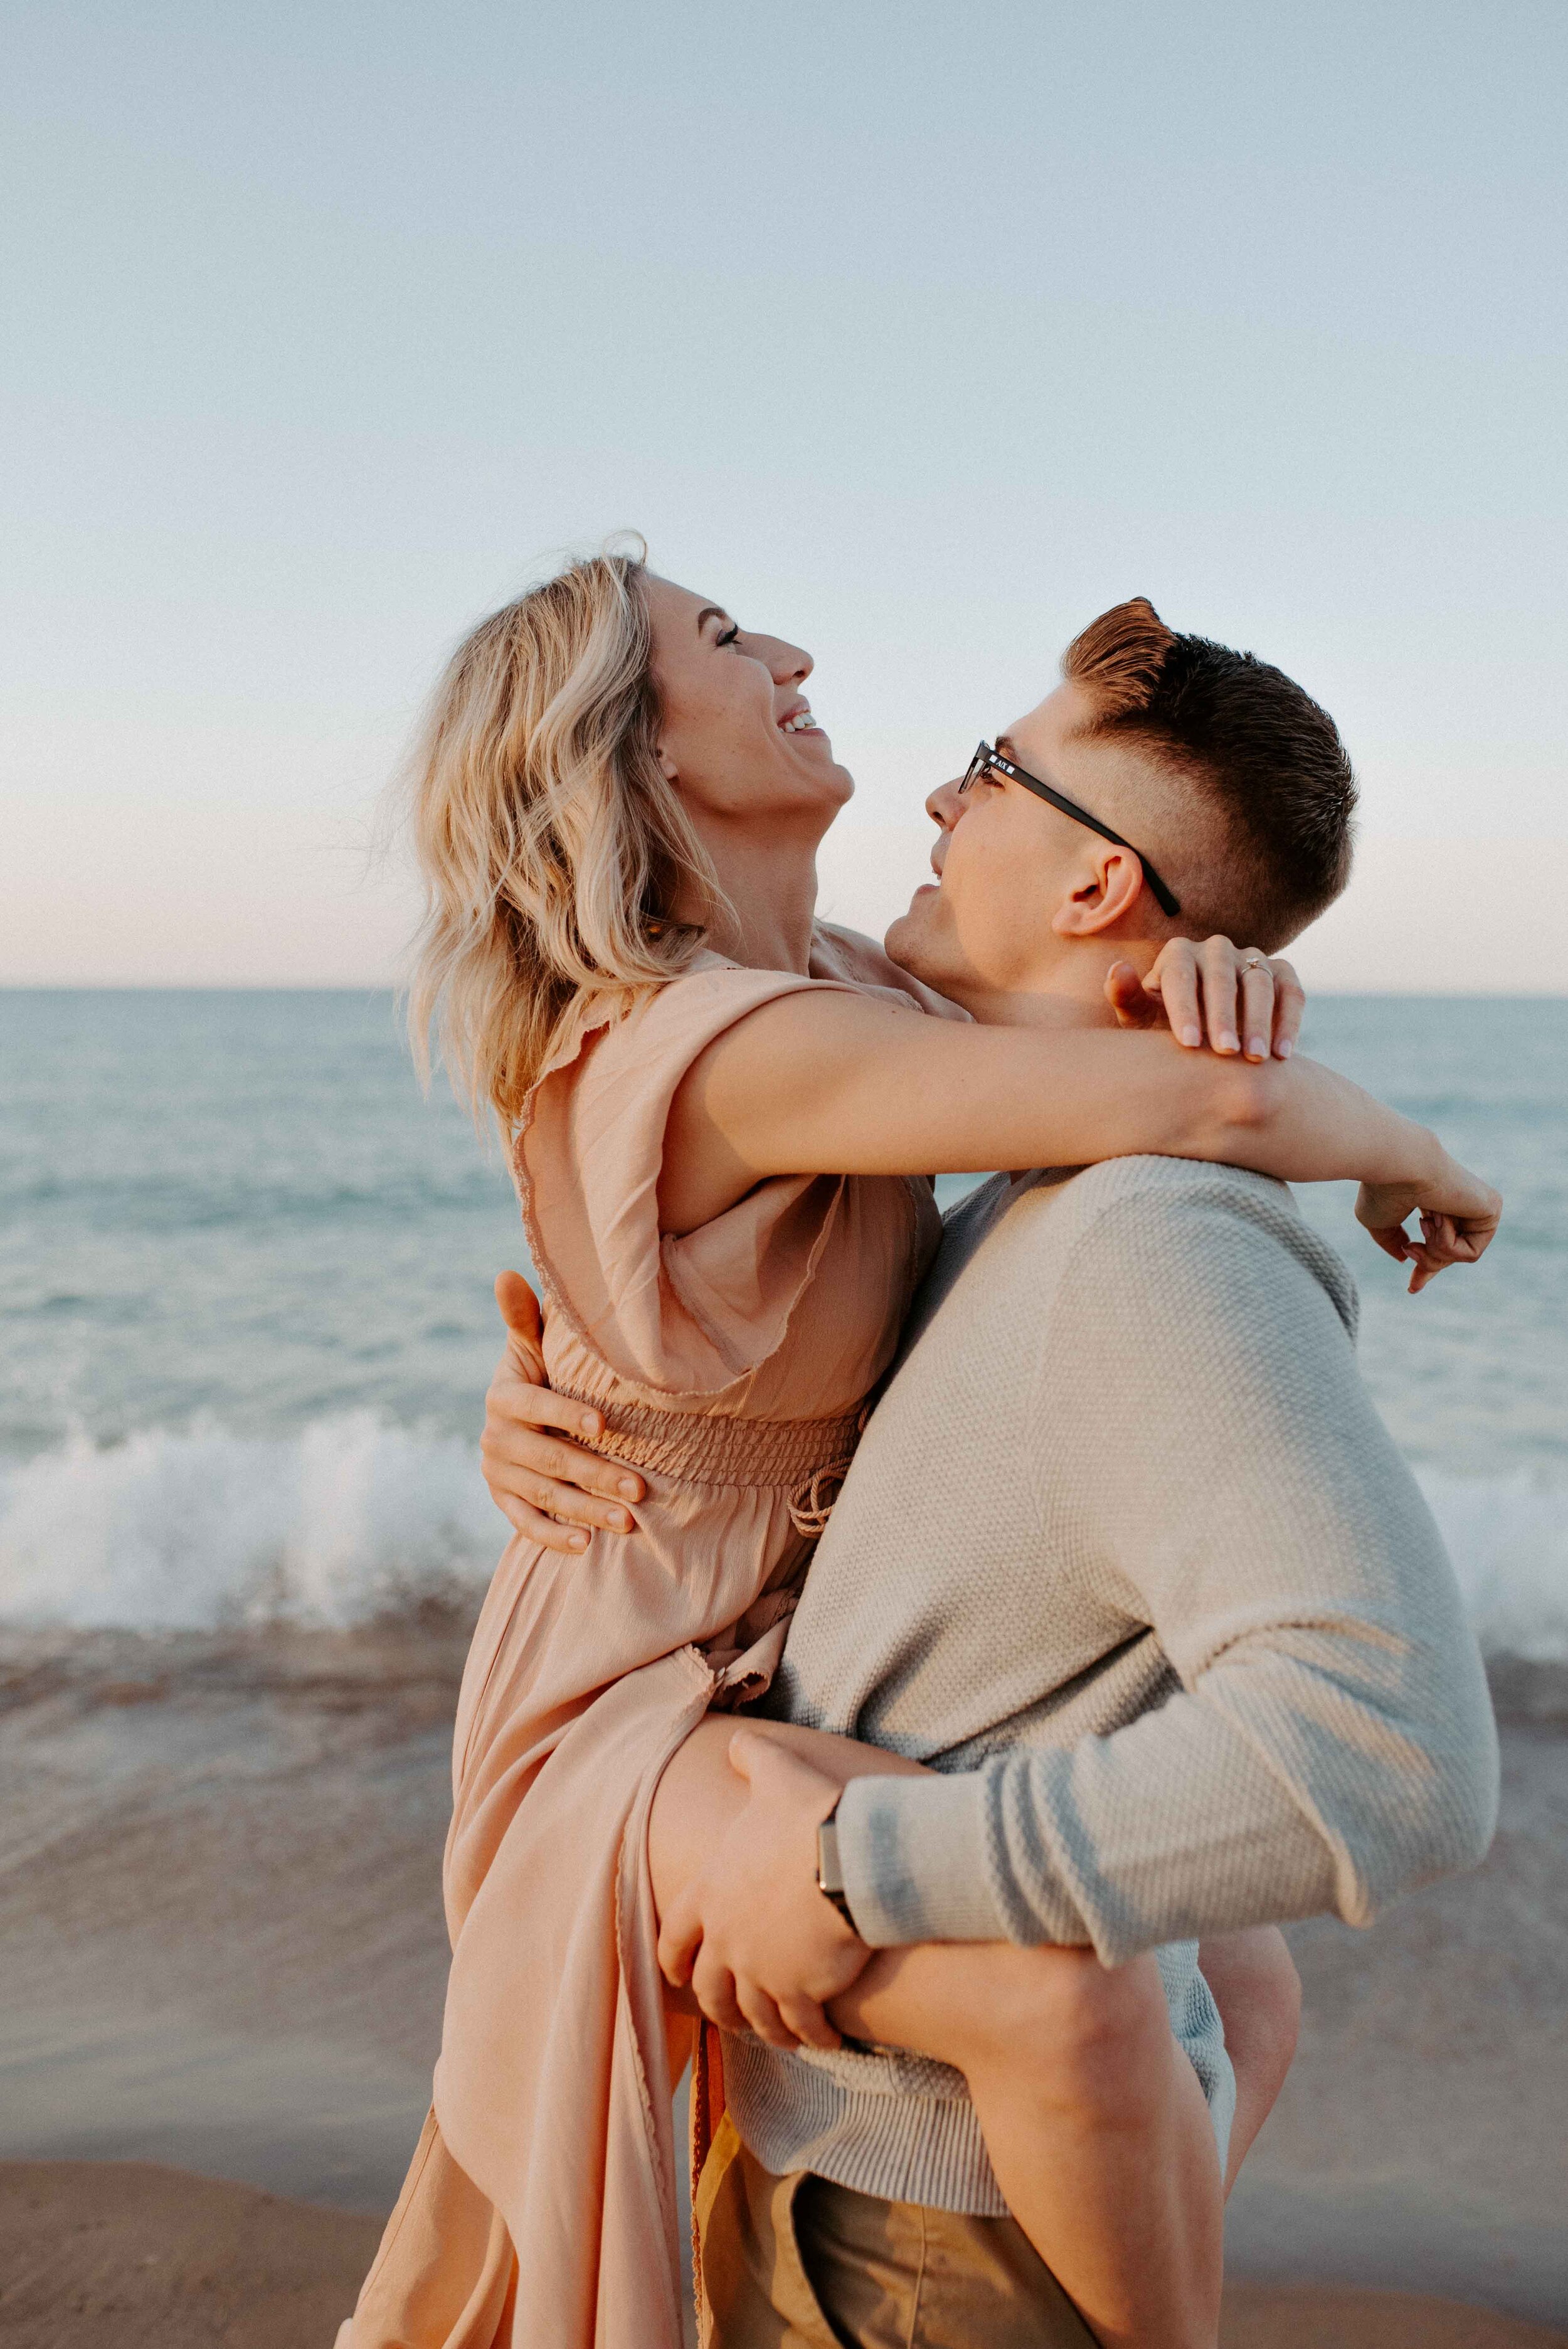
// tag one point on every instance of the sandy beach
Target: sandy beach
(223, 1954)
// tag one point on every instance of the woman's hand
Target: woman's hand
(1253, 1005)
(1458, 1215)
(544, 1485)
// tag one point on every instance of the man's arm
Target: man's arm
(1206, 1428)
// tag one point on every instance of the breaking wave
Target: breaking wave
(354, 1518)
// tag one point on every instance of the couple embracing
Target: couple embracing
(953, 1866)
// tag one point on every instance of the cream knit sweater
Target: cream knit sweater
(1128, 1557)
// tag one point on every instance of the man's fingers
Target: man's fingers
(751, 1754)
(808, 2022)
(544, 1466)
(1218, 963)
(519, 1403)
(519, 1307)
(574, 1507)
(516, 1418)
(535, 1526)
(763, 2015)
(770, 1768)
(713, 1986)
(680, 1937)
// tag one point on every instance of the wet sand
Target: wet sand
(127, 2255)
(223, 1950)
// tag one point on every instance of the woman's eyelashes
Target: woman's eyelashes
(728, 636)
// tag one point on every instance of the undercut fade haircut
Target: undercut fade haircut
(1256, 745)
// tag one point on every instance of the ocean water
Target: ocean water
(245, 1280)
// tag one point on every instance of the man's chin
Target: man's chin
(909, 943)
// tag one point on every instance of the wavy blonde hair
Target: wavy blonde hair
(551, 844)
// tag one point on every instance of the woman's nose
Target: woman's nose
(790, 664)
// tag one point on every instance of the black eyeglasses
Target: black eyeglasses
(985, 759)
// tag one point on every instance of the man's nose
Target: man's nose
(946, 804)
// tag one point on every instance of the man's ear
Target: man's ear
(1104, 888)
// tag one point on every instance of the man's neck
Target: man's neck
(1070, 993)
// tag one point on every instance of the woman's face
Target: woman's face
(737, 736)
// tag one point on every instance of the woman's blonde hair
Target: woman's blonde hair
(553, 845)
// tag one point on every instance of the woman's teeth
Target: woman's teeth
(801, 723)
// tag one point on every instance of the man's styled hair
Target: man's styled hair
(1259, 749)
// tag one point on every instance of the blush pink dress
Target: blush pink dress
(731, 1364)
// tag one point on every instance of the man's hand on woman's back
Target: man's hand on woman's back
(548, 1487)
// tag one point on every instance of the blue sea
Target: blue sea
(245, 1273)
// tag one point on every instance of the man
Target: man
(1125, 1554)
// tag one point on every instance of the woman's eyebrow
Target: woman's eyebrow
(710, 612)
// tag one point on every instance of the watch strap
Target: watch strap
(830, 1872)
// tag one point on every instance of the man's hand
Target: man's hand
(544, 1487)
(761, 1947)
(1252, 1004)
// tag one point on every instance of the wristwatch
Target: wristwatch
(830, 1874)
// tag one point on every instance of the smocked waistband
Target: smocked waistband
(708, 1448)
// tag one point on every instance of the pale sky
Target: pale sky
(917, 334)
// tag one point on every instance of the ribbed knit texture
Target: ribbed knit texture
(1126, 1545)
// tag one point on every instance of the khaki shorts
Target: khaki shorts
(797, 2262)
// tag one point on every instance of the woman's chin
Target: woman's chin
(832, 786)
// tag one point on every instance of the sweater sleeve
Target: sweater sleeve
(1210, 1450)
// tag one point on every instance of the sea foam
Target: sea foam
(355, 1518)
(351, 1520)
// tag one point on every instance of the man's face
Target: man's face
(1008, 864)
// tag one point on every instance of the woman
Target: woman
(617, 809)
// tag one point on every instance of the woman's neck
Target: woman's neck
(771, 885)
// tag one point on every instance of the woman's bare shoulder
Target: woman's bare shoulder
(841, 953)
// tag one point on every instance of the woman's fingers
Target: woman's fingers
(1134, 1004)
(1174, 979)
(1393, 1239)
(1290, 1002)
(1238, 996)
(1217, 963)
(1443, 1242)
(1257, 1010)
